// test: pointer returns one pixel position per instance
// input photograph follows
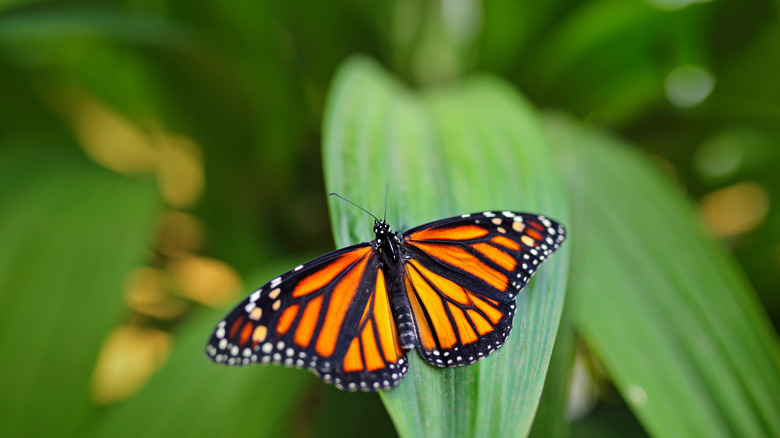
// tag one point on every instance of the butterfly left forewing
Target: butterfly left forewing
(463, 275)
(329, 315)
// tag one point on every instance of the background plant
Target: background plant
(160, 159)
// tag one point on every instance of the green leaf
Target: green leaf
(457, 150)
(59, 24)
(671, 318)
(550, 420)
(70, 233)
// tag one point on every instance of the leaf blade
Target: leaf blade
(71, 233)
(649, 275)
(425, 146)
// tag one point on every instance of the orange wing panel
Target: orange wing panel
(534, 234)
(506, 242)
(352, 361)
(246, 332)
(286, 320)
(492, 313)
(447, 287)
(385, 324)
(236, 324)
(498, 257)
(342, 297)
(463, 232)
(481, 323)
(434, 307)
(465, 330)
(370, 349)
(325, 275)
(308, 322)
(424, 331)
(457, 256)
(537, 225)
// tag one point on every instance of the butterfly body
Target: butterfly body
(389, 246)
(446, 288)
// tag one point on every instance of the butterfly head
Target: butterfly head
(387, 241)
(382, 229)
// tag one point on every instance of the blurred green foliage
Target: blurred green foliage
(186, 138)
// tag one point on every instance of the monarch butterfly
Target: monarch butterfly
(447, 287)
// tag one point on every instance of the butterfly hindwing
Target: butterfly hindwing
(331, 315)
(462, 277)
(374, 359)
(455, 325)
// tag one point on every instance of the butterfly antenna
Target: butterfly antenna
(345, 199)
(387, 190)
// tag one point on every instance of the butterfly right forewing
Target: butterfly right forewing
(463, 274)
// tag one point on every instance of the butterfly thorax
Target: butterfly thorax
(392, 253)
(387, 241)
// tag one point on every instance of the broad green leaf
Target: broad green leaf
(70, 233)
(671, 318)
(463, 149)
(550, 420)
(58, 24)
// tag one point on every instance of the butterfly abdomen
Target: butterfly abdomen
(403, 319)
(393, 259)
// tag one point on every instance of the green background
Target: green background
(651, 129)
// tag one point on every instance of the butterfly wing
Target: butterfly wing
(463, 274)
(331, 316)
